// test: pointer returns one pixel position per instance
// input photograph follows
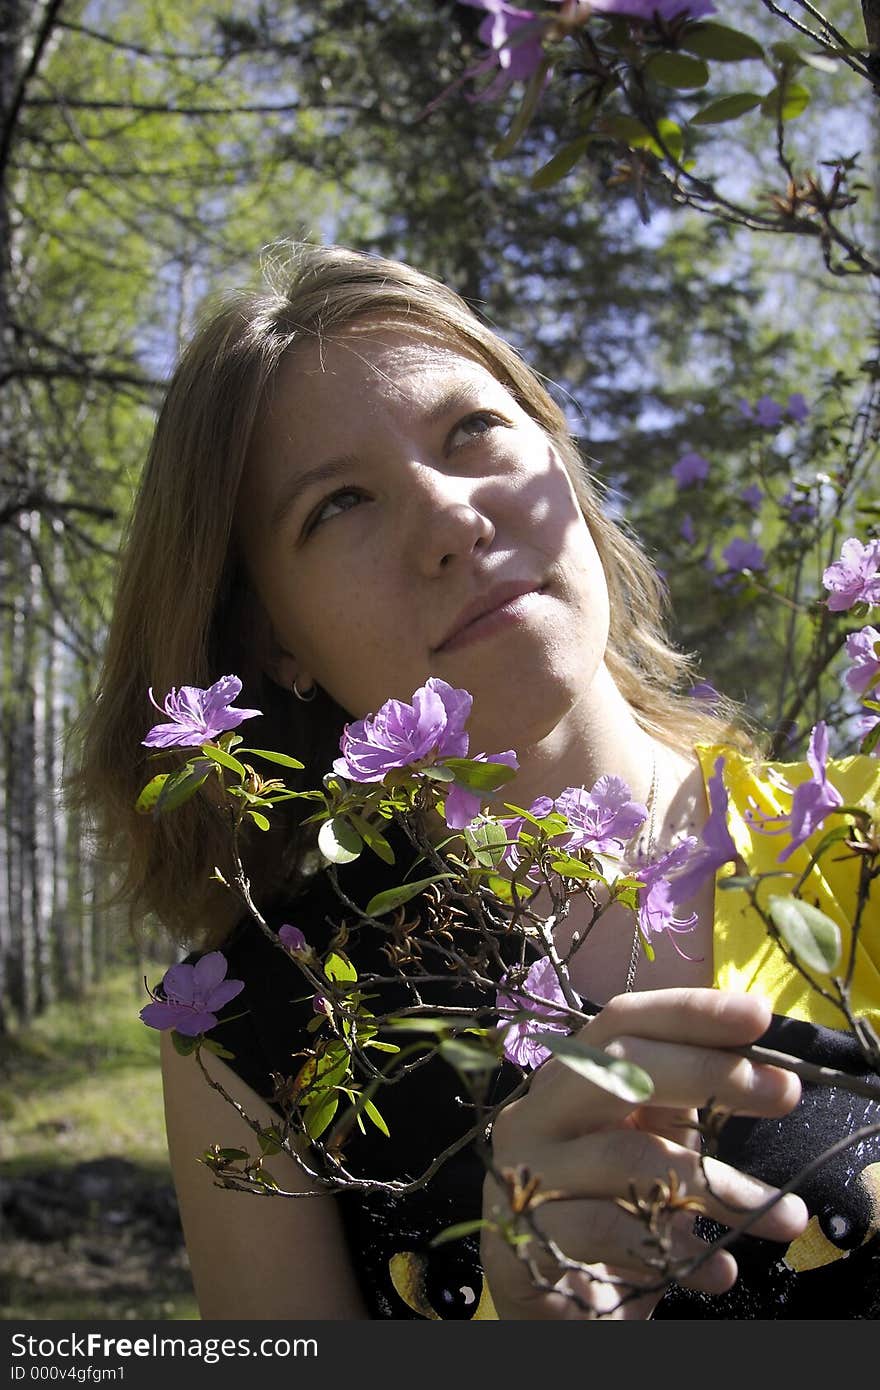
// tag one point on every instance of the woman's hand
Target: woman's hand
(592, 1146)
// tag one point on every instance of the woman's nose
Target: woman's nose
(447, 524)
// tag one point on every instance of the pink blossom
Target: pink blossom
(519, 1044)
(766, 412)
(717, 846)
(862, 648)
(854, 577)
(292, 938)
(657, 901)
(743, 554)
(198, 715)
(403, 735)
(753, 496)
(691, 468)
(603, 819)
(189, 996)
(811, 801)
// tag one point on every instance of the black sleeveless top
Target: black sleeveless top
(831, 1271)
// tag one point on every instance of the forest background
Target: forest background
(148, 155)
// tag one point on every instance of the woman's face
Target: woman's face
(402, 517)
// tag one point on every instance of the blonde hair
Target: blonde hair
(184, 611)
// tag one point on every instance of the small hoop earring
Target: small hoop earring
(305, 696)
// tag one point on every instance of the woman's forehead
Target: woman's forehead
(383, 357)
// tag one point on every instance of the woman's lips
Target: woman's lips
(492, 614)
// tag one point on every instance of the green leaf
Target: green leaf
(529, 105)
(456, 1232)
(233, 1155)
(628, 129)
(718, 43)
(570, 867)
(282, 758)
(561, 164)
(372, 837)
(727, 108)
(373, 1114)
(270, 1143)
(217, 1048)
(737, 881)
(487, 841)
(224, 759)
(338, 841)
(396, 897)
(435, 1024)
(438, 774)
(186, 1046)
(622, 1079)
(182, 785)
(318, 1116)
(678, 70)
(466, 1056)
(810, 934)
(339, 968)
(259, 820)
(150, 794)
(479, 776)
(785, 101)
(633, 133)
(822, 62)
(788, 55)
(871, 739)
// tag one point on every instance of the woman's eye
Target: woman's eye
(336, 503)
(473, 426)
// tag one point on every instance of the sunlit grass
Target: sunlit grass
(82, 1081)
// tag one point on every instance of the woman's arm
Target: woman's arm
(251, 1257)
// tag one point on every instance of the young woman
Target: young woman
(355, 485)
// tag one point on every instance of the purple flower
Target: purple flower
(766, 412)
(691, 468)
(657, 901)
(812, 800)
(461, 803)
(602, 820)
(514, 36)
(292, 938)
(742, 554)
(198, 715)
(797, 408)
(717, 847)
(402, 735)
(520, 1046)
(191, 995)
(797, 507)
(862, 648)
(865, 722)
(647, 9)
(853, 578)
(686, 529)
(753, 496)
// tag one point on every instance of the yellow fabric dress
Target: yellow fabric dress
(746, 958)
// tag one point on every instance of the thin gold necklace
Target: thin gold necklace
(649, 849)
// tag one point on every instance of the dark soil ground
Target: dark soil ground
(99, 1240)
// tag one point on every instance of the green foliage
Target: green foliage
(812, 935)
